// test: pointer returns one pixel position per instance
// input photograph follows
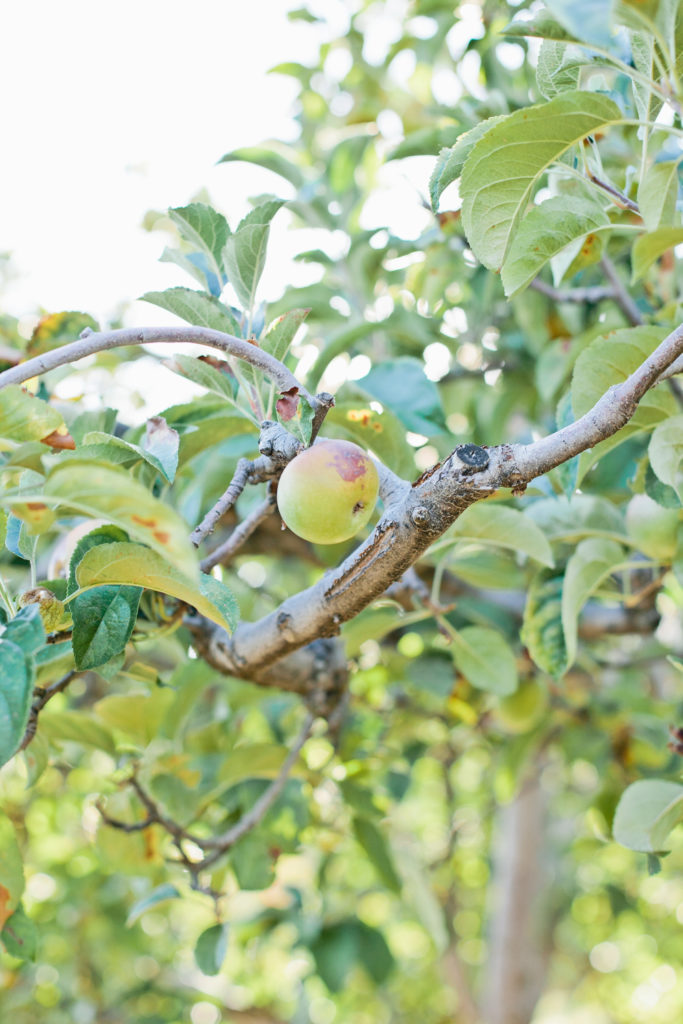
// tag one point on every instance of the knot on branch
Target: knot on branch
(277, 444)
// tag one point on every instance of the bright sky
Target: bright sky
(112, 110)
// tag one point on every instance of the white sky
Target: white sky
(110, 110)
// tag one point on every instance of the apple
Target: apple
(327, 493)
(522, 710)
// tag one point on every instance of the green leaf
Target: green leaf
(98, 445)
(103, 621)
(593, 561)
(610, 360)
(485, 659)
(650, 247)
(648, 810)
(335, 952)
(11, 870)
(502, 169)
(105, 492)
(205, 229)
(589, 20)
(77, 727)
(133, 564)
(375, 845)
(544, 232)
(200, 371)
(280, 334)
(401, 385)
(451, 161)
(20, 936)
(23, 417)
(25, 629)
(252, 863)
(542, 631)
(161, 894)
(245, 251)
(197, 308)
(558, 67)
(16, 691)
(657, 195)
(505, 527)
(666, 453)
(211, 948)
(269, 158)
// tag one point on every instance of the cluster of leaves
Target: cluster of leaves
(560, 590)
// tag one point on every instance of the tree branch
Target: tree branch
(414, 516)
(593, 295)
(225, 551)
(91, 342)
(42, 697)
(620, 294)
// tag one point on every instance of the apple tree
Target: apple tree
(427, 771)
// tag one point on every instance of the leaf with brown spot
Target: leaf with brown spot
(59, 439)
(287, 404)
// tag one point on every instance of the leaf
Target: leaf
(221, 381)
(544, 232)
(592, 562)
(281, 333)
(589, 20)
(335, 951)
(99, 446)
(401, 385)
(657, 194)
(485, 659)
(451, 161)
(105, 492)
(269, 158)
(610, 360)
(133, 564)
(252, 863)
(211, 949)
(198, 308)
(382, 432)
(103, 621)
(57, 329)
(16, 691)
(648, 810)
(161, 443)
(161, 894)
(78, 727)
(245, 251)
(542, 631)
(666, 453)
(375, 846)
(650, 247)
(23, 417)
(506, 527)
(11, 870)
(25, 629)
(558, 67)
(502, 169)
(206, 230)
(20, 936)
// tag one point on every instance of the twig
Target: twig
(593, 295)
(42, 697)
(620, 295)
(224, 552)
(622, 200)
(324, 401)
(220, 844)
(239, 481)
(256, 814)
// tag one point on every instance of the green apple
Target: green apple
(328, 492)
(523, 709)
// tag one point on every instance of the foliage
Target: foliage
(544, 273)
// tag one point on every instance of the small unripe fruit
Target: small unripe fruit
(328, 492)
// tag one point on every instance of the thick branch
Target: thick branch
(413, 518)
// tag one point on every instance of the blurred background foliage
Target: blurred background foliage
(371, 893)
